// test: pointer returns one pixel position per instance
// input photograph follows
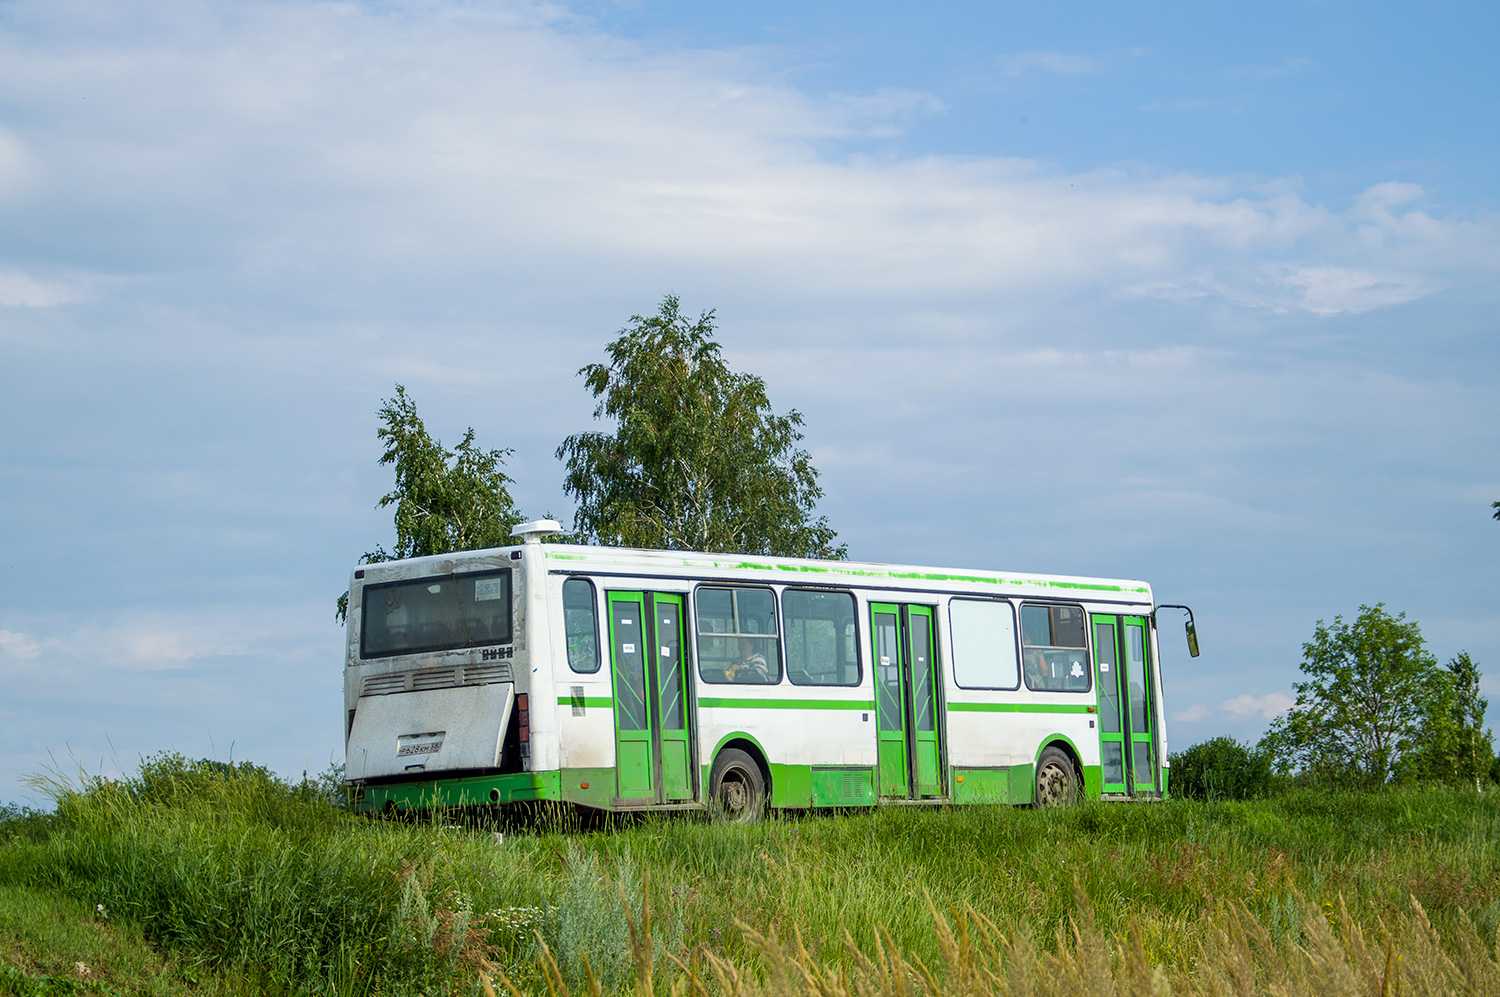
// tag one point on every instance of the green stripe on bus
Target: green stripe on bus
(1018, 708)
(784, 704)
(585, 701)
(921, 576)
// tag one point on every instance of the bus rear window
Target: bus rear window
(435, 614)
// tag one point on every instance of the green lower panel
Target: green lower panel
(1022, 783)
(842, 787)
(589, 787)
(1092, 786)
(1164, 773)
(893, 778)
(675, 774)
(633, 759)
(518, 788)
(987, 785)
(929, 780)
(791, 785)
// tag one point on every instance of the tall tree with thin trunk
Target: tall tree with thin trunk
(698, 460)
(1474, 746)
(445, 500)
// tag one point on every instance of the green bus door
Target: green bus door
(1140, 710)
(906, 701)
(652, 748)
(1127, 728)
(1111, 719)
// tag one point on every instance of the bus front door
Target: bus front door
(909, 751)
(1140, 710)
(1127, 728)
(652, 748)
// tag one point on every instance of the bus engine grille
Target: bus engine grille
(436, 678)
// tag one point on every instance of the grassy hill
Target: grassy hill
(228, 880)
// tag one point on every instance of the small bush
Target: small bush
(18, 824)
(1222, 769)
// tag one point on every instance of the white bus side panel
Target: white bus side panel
(585, 721)
(810, 736)
(1002, 739)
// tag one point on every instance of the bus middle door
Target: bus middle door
(906, 701)
(652, 748)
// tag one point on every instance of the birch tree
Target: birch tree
(698, 459)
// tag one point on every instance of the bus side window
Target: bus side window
(984, 644)
(737, 638)
(1053, 653)
(820, 637)
(581, 625)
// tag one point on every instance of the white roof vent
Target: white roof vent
(533, 531)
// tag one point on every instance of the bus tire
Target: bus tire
(1056, 779)
(737, 788)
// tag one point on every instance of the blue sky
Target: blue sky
(1187, 294)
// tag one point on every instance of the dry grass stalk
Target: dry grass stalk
(1236, 957)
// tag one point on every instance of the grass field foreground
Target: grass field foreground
(233, 872)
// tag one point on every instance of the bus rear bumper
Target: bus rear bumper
(483, 790)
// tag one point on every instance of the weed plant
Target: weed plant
(51, 946)
(1334, 956)
(233, 870)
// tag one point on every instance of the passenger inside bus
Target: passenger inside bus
(751, 665)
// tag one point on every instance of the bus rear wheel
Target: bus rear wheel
(1056, 779)
(737, 789)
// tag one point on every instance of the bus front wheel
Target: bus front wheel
(1056, 779)
(738, 789)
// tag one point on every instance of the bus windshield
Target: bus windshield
(435, 614)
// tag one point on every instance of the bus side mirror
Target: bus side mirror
(1192, 636)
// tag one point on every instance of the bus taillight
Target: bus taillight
(523, 720)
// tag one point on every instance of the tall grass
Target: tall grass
(1334, 956)
(232, 868)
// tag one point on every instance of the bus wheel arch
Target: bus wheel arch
(739, 785)
(1059, 776)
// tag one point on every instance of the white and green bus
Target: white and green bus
(627, 680)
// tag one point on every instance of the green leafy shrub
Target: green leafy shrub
(18, 823)
(1222, 769)
(250, 879)
(242, 871)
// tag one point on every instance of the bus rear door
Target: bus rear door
(653, 762)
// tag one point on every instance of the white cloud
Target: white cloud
(1272, 704)
(18, 645)
(1328, 290)
(336, 141)
(879, 114)
(13, 162)
(1059, 63)
(157, 649)
(150, 642)
(19, 290)
(1191, 715)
